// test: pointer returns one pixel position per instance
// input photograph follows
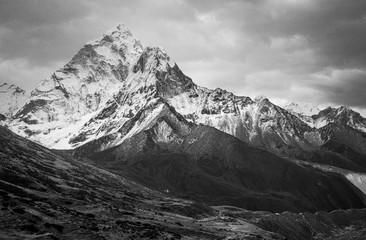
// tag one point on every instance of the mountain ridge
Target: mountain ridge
(112, 78)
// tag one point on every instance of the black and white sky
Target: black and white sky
(288, 50)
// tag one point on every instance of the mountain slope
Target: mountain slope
(202, 163)
(343, 133)
(46, 195)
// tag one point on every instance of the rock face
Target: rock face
(12, 98)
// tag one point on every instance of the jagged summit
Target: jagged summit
(342, 115)
(260, 98)
(120, 28)
(4, 87)
(120, 33)
(304, 109)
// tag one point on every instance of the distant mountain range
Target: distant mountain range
(130, 110)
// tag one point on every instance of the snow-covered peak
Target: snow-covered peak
(123, 29)
(345, 109)
(260, 98)
(12, 98)
(305, 109)
(67, 99)
(120, 37)
(342, 115)
(5, 87)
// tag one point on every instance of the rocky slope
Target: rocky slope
(199, 162)
(47, 195)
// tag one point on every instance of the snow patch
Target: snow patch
(359, 180)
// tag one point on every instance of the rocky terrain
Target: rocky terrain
(48, 195)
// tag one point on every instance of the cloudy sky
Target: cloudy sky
(288, 50)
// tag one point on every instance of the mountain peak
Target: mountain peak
(120, 29)
(123, 28)
(302, 108)
(260, 98)
(342, 115)
(344, 108)
(120, 36)
(10, 87)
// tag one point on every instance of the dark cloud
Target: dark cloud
(41, 31)
(20, 14)
(335, 29)
(343, 87)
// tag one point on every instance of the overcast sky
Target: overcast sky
(288, 50)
